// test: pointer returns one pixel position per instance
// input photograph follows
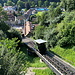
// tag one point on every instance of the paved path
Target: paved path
(30, 70)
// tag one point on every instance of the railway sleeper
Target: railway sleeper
(63, 66)
(58, 65)
(60, 68)
(66, 68)
(66, 72)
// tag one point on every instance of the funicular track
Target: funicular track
(59, 66)
(62, 66)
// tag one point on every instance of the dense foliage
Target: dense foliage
(55, 26)
(6, 29)
(3, 15)
(27, 3)
(11, 60)
(39, 32)
(68, 4)
(59, 29)
(9, 32)
(58, 26)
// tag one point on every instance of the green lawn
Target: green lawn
(67, 53)
(39, 13)
(43, 72)
(36, 63)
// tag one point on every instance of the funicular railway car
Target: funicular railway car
(40, 44)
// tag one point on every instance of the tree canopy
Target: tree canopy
(68, 4)
(58, 25)
(11, 60)
(3, 14)
(33, 3)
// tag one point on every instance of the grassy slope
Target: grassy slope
(67, 53)
(43, 72)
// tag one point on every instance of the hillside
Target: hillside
(7, 2)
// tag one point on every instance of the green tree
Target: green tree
(13, 33)
(20, 4)
(10, 3)
(50, 34)
(4, 27)
(41, 19)
(68, 4)
(66, 33)
(53, 4)
(54, 15)
(27, 5)
(69, 16)
(39, 3)
(15, 1)
(46, 3)
(32, 3)
(10, 32)
(57, 11)
(3, 14)
(51, 14)
(11, 60)
(39, 32)
(2, 35)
